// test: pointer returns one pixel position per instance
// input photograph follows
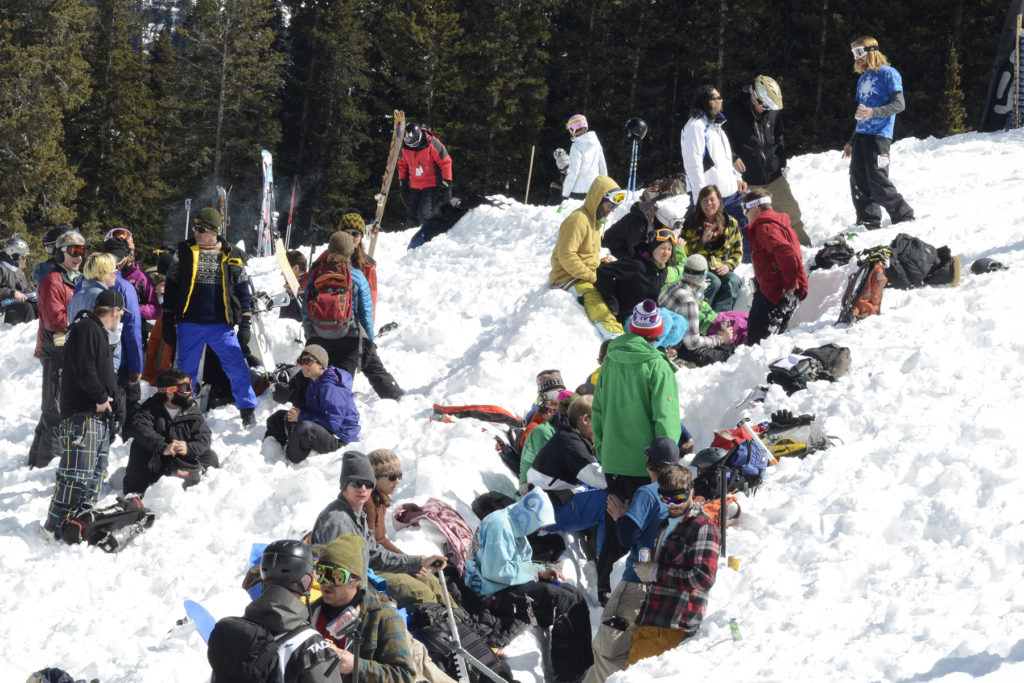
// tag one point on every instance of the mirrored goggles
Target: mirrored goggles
(121, 234)
(665, 235)
(183, 388)
(616, 196)
(674, 497)
(332, 575)
(75, 249)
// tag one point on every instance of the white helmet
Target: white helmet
(768, 93)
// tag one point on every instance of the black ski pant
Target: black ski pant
(343, 352)
(18, 312)
(623, 486)
(299, 438)
(373, 369)
(44, 444)
(145, 469)
(420, 206)
(870, 186)
(563, 609)
(131, 394)
(766, 318)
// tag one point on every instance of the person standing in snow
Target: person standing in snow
(879, 99)
(88, 403)
(15, 305)
(779, 276)
(324, 416)
(424, 174)
(753, 122)
(206, 294)
(586, 159)
(55, 291)
(707, 154)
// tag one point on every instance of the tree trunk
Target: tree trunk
(820, 89)
(723, 13)
(221, 94)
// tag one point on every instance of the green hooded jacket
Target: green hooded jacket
(637, 399)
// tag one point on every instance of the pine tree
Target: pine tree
(42, 76)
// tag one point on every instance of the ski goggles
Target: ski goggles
(861, 51)
(615, 196)
(183, 388)
(121, 234)
(665, 235)
(675, 497)
(75, 250)
(332, 575)
(747, 206)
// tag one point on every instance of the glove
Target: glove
(244, 332)
(647, 571)
(403, 191)
(446, 190)
(170, 331)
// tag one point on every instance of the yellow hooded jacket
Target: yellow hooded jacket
(577, 251)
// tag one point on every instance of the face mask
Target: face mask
(181, 400)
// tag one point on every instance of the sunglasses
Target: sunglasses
(199, 229)
(616, 197)
(394, 477)
(307, 360)
(665, 235)
(75, 250)
(183, 388)
(331, 575)
(361, 483)
(675, 498)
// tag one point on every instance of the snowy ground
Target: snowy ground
(894, 557)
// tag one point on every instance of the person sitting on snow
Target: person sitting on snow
(636, 528)
(500, 566)
(683, 298)
(681, 572)
(169, 436)
(323, 417)
(577, 252)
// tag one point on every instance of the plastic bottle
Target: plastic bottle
(644, 555)
(735, 628)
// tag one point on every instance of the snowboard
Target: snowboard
(201, 619)
(389, 173)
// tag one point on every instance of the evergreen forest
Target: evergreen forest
(114, 112)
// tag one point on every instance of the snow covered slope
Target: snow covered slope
(894, 556)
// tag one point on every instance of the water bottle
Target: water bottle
(735, 628)
(644, 555)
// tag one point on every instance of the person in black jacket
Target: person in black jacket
(88, 397)
(627, 282)
(170, 436)
(753, 123)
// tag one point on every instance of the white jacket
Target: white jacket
(586, 162)
(697, 135)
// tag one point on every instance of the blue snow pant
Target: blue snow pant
(84, 443)
(192, 337)
(722, 290)
(584, 510)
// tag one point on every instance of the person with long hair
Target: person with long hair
(879, 99)
(715, 235)
(707, 154)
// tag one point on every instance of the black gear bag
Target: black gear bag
(109, 528)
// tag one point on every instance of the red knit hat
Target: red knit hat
(646, 320)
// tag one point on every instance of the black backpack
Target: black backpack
(429, 625)
(108, 528)
(243, 651)
(835, 252)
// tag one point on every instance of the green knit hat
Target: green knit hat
(346, 551)
(208, 218)
(352, 221)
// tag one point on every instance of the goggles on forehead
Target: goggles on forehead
(183, 388)
(121, 234)
(747, 206)
(615, 196)
(665, 235)
(332, 575)
(861, 51)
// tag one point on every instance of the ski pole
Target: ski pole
(454, 628)
(529, 175)
(188, 214)
(291, 213)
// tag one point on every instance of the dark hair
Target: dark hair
(696, 218)
(171, 377)
(701, 101)
(602, 352)
(295, 258)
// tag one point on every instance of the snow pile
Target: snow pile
(894, 556)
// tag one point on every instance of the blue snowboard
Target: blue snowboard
(203, 620)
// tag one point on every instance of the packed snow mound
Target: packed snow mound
(894, 555)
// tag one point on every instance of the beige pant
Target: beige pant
(651, 641)
(425, 668)
(783, 201)
(611, 645)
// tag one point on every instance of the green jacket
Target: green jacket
(637, 399)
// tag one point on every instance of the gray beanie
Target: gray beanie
(356, 466)
(696, 269)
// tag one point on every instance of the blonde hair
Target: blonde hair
(98, 266)
(875, 59)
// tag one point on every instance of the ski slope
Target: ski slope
(895, 556)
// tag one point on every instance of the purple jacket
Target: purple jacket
(330, 404)
(149, 305)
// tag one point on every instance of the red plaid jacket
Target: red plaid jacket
(687, 564)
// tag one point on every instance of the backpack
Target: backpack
(793, 372)
(108, 528)
(329, 301)
(746, 458)
(798, 436)
(428, 623)
(835, 252)
(243, 651)
(863, 295)
(834, 359)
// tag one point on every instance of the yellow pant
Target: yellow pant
(597, 310)
(651, 641)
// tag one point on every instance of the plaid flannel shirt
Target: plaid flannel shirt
(731, 251)
(687, 564)
(679, 298)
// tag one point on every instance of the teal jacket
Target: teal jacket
(637, 399)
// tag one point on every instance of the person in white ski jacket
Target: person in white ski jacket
(586, 159)
(707, 155)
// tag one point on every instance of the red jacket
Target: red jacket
(426, 165)
(54, 295)
(775, 253)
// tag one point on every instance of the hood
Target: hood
(601, 186)
(336, 376)
(632, 349)
(278, 609)
(560, 421)
(530, 513)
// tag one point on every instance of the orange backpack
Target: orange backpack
(863, 295)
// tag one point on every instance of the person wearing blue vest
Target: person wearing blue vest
(879, 99)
